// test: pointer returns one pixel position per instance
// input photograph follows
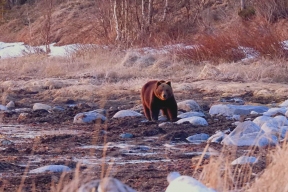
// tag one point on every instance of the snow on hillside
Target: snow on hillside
(18, 49)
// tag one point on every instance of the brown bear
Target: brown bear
(156, 95)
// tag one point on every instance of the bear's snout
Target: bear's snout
(164, 96)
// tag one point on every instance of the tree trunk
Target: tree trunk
(165, 10)
(118, 32)
(150, 12)
(143, 15)
(242, 3)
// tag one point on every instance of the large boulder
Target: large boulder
(89, 117)
(249, 134)
(126, 113)
(191, 114)
(188, 105)
(230, 110)
(197, 121)
(41, 106)
(51, 168)
(275, 111)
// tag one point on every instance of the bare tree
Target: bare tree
(116, 19)
(242, 4)
(165, 10)
(47, 25)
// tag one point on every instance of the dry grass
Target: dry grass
(275, 175)
(116, 68)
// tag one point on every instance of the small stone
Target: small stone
(126, 135)
(198, 138)
(10, 105)
(6, 142)
(3, 108)
(244, 160)
(22, 117)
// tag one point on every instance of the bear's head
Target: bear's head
(163, 90)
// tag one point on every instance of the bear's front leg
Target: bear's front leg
(147, 112)
(154, 114)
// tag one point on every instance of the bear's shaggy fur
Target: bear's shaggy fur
(156, 96)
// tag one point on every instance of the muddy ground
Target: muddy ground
(143, 163)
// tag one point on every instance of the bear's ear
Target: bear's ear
(159, 83)
(168, 83)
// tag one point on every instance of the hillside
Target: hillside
(138, 23)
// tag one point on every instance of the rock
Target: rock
(281, 120)
(57, 109)
(164, 124)
(89, 117)
(275, 111)
(283, 131)
(185, 183)
(217, 137)
(41, 106)
(188, 105)
(22, 117)
(10, 105)
(162, 118)
(263, 93)
(230, 110)
(191, 114)
(271, 127)
(234, 117)
(198, 138)
(126, 113)
(126, 135)
(248, 134)
(261, 120)
(23, 110)
(284, 104)
(6, 142)
(244, 160)
(233, 100)
(197, 121)
(51, 168)
(107, 184)
(3, 108)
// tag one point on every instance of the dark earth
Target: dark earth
(149, 174)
